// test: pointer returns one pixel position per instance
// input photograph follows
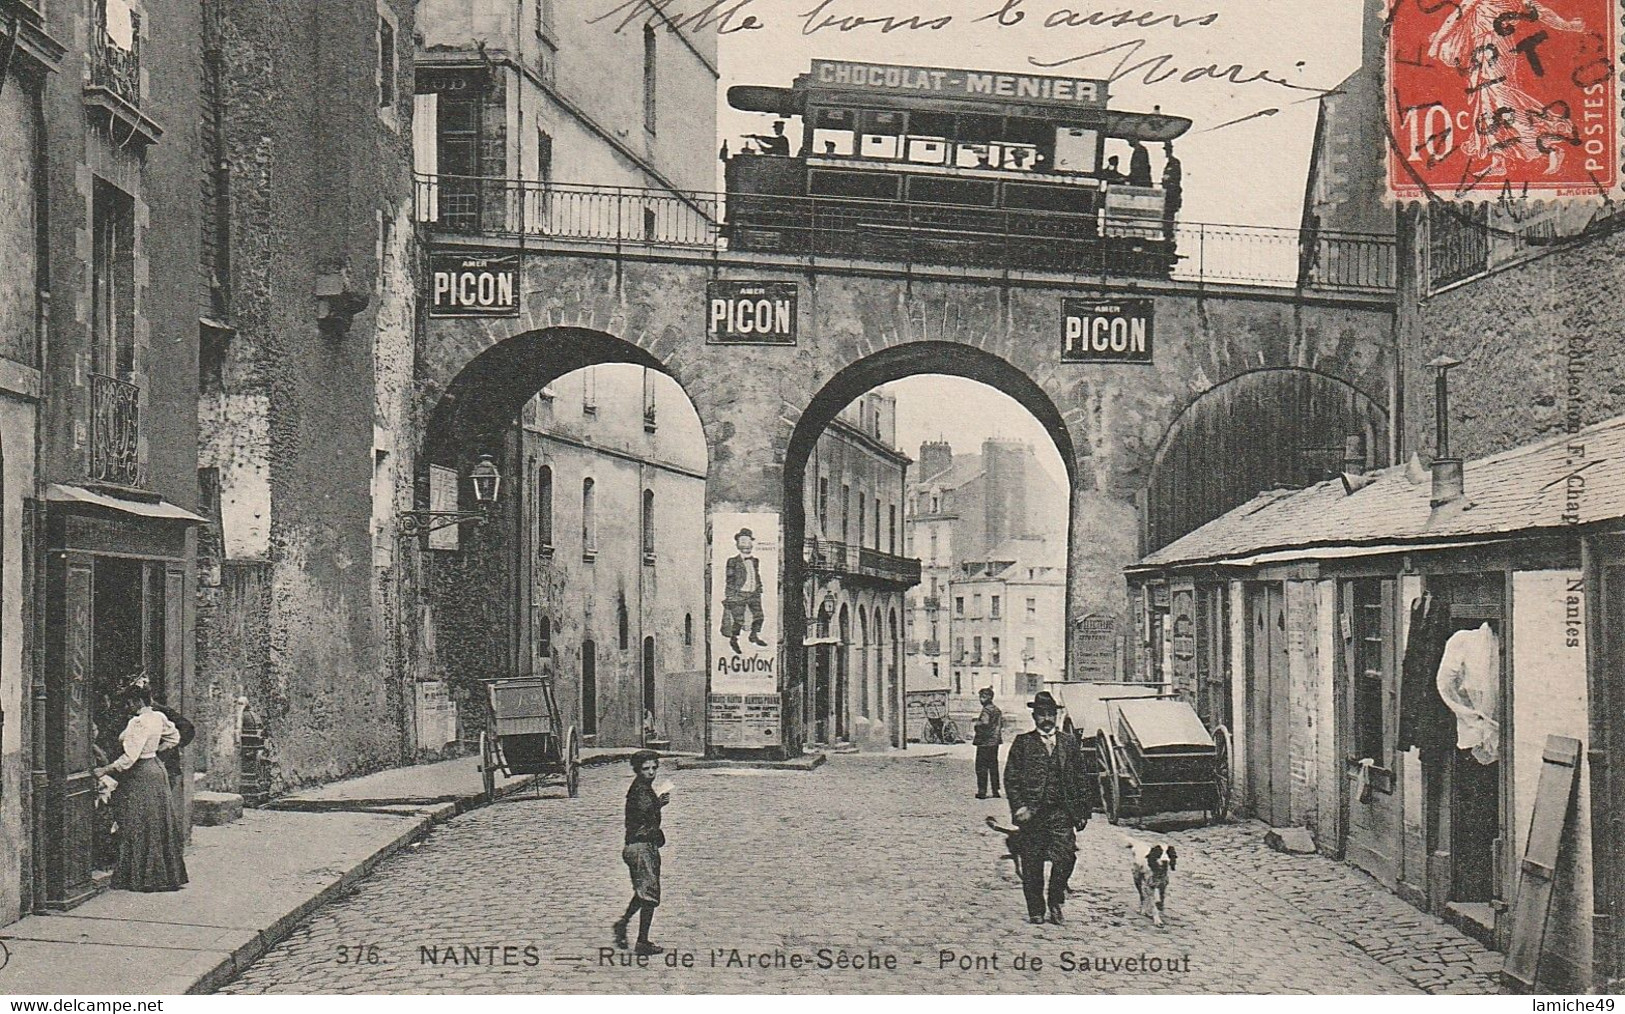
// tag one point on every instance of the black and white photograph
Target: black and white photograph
(847, 498)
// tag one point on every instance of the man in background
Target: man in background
(987, 734)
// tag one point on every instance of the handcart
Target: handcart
(524, 734)
(1156, 756)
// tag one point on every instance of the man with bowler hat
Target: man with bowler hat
(1051, 798)
(742, 593)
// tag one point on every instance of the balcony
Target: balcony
(931, 603)
(115, 431)
(858, 562)
(932, 648)
(114, 89)
(591, 215)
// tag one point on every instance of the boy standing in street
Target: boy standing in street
(642, 852)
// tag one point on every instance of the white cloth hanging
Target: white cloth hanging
(1470, 685)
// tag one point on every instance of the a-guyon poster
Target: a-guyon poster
(744, 638)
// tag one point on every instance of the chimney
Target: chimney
(1447, 471)
(1354, 455)
(936, 457)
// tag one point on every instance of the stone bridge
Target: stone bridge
(1322, 361)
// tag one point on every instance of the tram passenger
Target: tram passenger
(1112, 174)
(1139, 165)
(775, 143)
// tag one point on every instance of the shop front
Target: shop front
(118, 599)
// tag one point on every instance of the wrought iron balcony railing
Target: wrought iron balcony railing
(115, 431)
(115, 54)
(931, 647)
(857, 561)
(931, 603)
(626, 216)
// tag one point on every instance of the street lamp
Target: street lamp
(485, 479)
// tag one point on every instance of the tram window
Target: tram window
(1075, 149)
(833, 133)
(928, 150)
(1073, 200)
(1014, 156)
(973, 156)
(980, 129)
(880, 131)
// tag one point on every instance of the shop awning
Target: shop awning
(161, 510)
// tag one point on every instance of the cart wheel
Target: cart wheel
(488, 773)
(1221, 774)
(1111, 786)
(572, 763)
(950, 732)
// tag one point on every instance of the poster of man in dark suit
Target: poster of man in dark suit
(742, 593)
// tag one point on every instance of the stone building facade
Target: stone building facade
(1008, 613)
(306, 397)
(610, 472)
(854, 498)
(963, 513)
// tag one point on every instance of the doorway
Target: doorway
(1268, 704)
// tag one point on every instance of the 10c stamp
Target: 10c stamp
(1503, 98)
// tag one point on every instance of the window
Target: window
(976, 650)
(544, 156)
(861, 515)
(1032, 610)
(976, 606)
(846, 511)
(933, 549)
(387, 69)
(648, 526)
(993, 651)
(544, 18)
(649, 87)
(1369, 626)
(878, 543)
(891, 527)
(994, 605)
(688, 630)
(589, 688)
(959, 686)
(544, 636)
(589, 391)
(936, 504)
(959, 649)
(648, 401)
(113, 283)
(959, 605)
(649, 675)
(823, 506)
(544, 510)
(589, 520)
(623, 624)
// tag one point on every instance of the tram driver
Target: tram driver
(772, 144)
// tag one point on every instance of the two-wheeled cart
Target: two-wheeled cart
(1156, 756)
(524, 734)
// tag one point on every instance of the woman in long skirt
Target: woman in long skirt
(150, 846)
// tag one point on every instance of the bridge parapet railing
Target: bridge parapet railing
(1195, 252)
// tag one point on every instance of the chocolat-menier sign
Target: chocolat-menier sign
(750, 313)
(1106, 331)
(474, 285)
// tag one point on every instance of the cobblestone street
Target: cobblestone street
(867, 857)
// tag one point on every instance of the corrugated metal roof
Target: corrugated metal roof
(1521, 490)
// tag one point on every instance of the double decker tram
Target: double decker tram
(953, 167)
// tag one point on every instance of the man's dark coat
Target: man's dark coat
(1027, 767)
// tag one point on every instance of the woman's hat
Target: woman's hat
(1045, 701)
(746, 532)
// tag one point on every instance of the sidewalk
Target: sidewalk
(252, 882)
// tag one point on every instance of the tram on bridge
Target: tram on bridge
(954, 166)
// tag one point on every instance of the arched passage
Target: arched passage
(1266, 429)
(597, 538)
(881, 686)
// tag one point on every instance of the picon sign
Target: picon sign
(484, 285)
(750, 313)
(1107, 331)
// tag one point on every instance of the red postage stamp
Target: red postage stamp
(1491, 98)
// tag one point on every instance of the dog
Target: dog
(1153, 870)
(1012, 843)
